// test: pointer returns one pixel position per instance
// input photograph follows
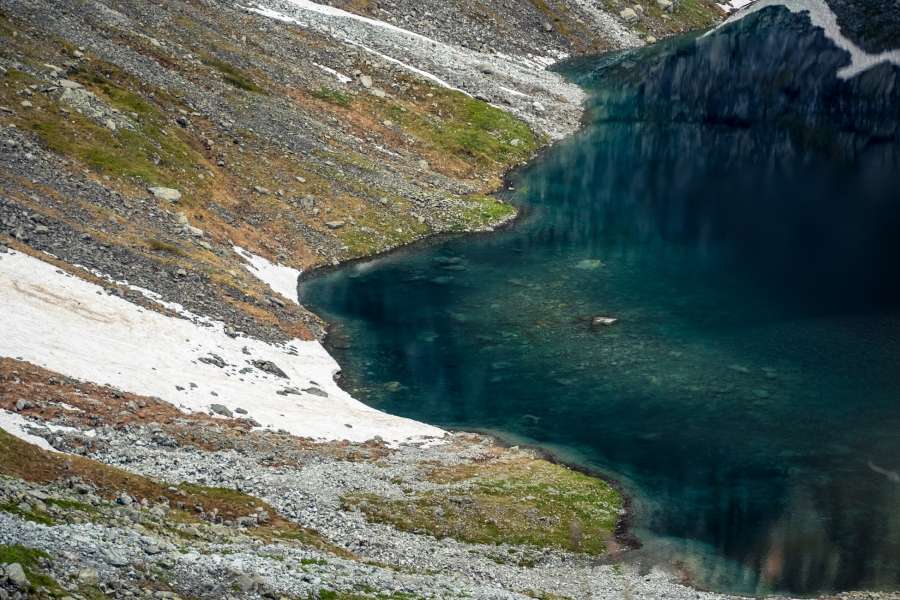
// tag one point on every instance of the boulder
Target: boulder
(116, 559)
(16, 576)
(164, 193)
(88, 576)
(220, 409)
(628, 15)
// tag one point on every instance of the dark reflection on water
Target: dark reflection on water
(736, 207)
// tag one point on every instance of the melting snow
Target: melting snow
(336, 12)
(20, 427)
(71, 326)
(282, 279)
(338, 75)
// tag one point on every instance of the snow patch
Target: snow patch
(735, 5)
(282, 279)
(336, 12)
(337, 74)
(68, 325)
(446, 65)
(406, 66)
(18, 426)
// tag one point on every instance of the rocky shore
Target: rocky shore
(169, 422)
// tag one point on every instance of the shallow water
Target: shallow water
(737, 208)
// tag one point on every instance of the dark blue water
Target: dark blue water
(736, 207)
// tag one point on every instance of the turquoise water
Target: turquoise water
(736, 207)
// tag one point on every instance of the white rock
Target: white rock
(164, 193)
(604, 321)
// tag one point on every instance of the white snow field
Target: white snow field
(66, 324)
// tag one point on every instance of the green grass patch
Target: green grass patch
(162, 246)
(123, 99)
(483, 211)
(523, 502)
(697, 14)
(232, 75)
(148, 152)
(378, 229)
(29, 515)
(30, 559)
(72, 505)
(468, 129)
(333, 96)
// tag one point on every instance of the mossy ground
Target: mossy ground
(29, 515)
(483, 211)
(232, 75)
(452, 125)
(30, 560)
(25, 461)
(519, 501)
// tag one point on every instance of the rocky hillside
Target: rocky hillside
(169, 425)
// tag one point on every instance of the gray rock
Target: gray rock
(220, 409)
(628, 15)
(316, 392)
(262, 191)
(16, 576)
(116, 559)
(88, 576)
(164, 193)
(267, 366)
(666, 5)
(245, 584)
(365, 81)
(334, 224)
(23, 404)
(214, 360)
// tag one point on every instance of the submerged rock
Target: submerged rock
(601, 321)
